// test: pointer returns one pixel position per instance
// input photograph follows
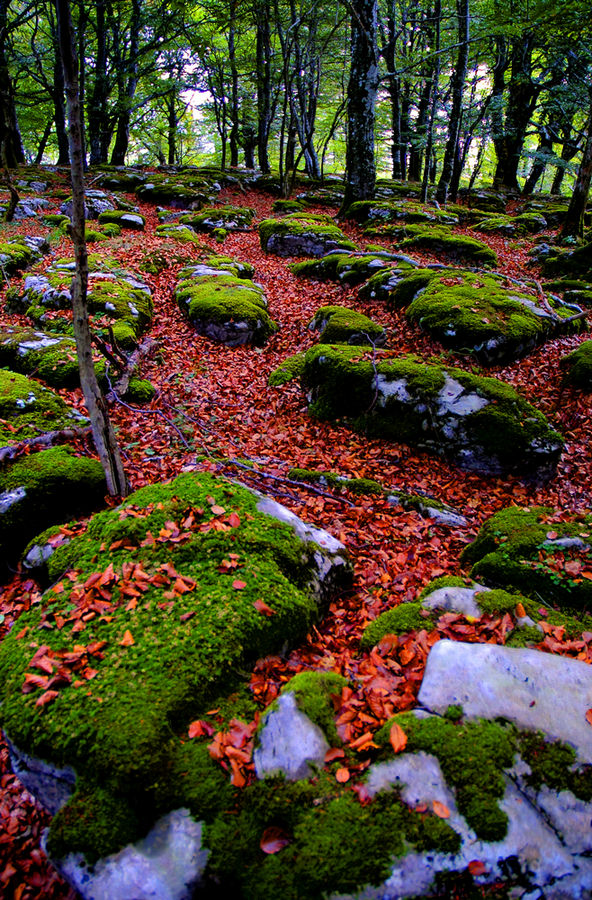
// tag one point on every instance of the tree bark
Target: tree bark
(452, 150)
(11, 146)
(97, 111)
(361, 103)
(544, 152)
(121, 144)
(103, 434)
(573, 224)
(265, 110)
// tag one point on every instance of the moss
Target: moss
(513, 550)
(51, 486)
(140, 390)
(288, 206)
(554, 764)
(225, 300)
(92, 236)
(55, 220)
(14, 255)
(498, 601)
(191, 639)
(27, 409)
(274, 235)
(172, 193)
(336, 845)
(123, 218)
(443, 582)
(323, 269)
(236, 267)
(314, 693)
(402, 619)
(525, 636)
(340, 482)
(577, 367)
(291, 368)
(339, 325)
(51, 358)
(441, 240)
(181, 233)
(229, 218)
(472, 756)
(371, 211)
(111, 229)
(525, 223)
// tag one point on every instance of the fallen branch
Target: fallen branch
(44, 440)
(132, 362)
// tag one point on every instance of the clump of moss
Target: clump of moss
(14, 255)
(314, 693)
(372, 211)
(299, 236)
(181, 233)
(291, 368)
(228, 218)
(440, 240)
(577, 367)
(288, 206)
(554, 763)
(339, 325)
(400, 620)
(472, 756)
(27, 409)
(49, 357)
(140, 390)
(525, 223)
(123, 218)
(443, 582)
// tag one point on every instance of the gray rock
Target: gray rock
(288, 742)
(535, 690)
(455, 599)
(167, 865)
(95, 202)
(50, 785)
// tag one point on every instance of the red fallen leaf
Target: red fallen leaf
(218, 510)
(42, 662)
(342, 775)
(239, 585)
(262, 607)
(47, 697)
(199, 728)
(234, 520)
(128, 639)
(421, 808)
(552, 535)
(398, 738)
(273, 840)
(334, 753)
(34, 681)
(440, 809)
(476, 867)
(520, 611)
(589, 717)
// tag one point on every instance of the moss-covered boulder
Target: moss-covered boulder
(28, 410)
(347, 268)
(577, 367)
(182, 233)
(174, 194)
(50, 357)
(339, 325)
(123, 218)
(229, 218)
(43, 489)
(122, 180)
(297, 236)
(95, 202)
(287, 207)
(224, 307)
(532, 551)
(488, 201)
(373, 211)
(474, 313)
(438, 239)
(169, 597)
(575, 263)
(525, 223)
(479, 423)
(20, 252)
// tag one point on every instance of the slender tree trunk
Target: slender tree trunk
(361, 103)
(172, 123)
(569, 148)
(97, 113)
(428, 165)
(234, 110)
(416, 151)
(452, 150)
(11, 146)
(264, 104)
(573, 224)
(60, 113)
(119, 151)
(103, 434)
(43, 143)
(523, 93)
(544, 152)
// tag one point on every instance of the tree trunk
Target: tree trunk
(264, 104)
(43, 143)
(361, 103)
(234, 110)
(103, 434)
(573, 224)
(569, 148)
(97, 112)
(119, 151)
(417, 148)
(452, 150)
(522, 97)
(60, 113)
(544, 152)
(428, 168)
(172, 123)
(11, 145)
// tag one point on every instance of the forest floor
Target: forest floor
(220, 399)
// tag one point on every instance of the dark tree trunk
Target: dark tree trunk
(361, 103)
(452, 150)
(11, 145)
(522, 96)
(569, 148)
(264, 104)
(429, 165)
(249, 145)
(43, 143)
(573, 224)
(97, 113)
(234, 109)
(60, 112)
(172, 123)
(416, 151)
(544, 152)
(103, 434)
(121, 144)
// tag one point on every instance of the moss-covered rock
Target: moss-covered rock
(339, 325)
(525, 223)
(15, 255)
(577, 367)
(486, 200)
(118, 180)
(286, 207)
(50, 357)
(347, 268)
(442, 241)
(373, 211)
(575, 263)
(223, 307)
(28, 410)
(474, 313)
(297, 236)
(315, 693)
(479, 423)
(182, 233)
(139, 390)
(291, 368)
(123, 218)
(399, 620)
(160, 614)
(230, 218)
(174, 194)
(43, 489)
(525, 550)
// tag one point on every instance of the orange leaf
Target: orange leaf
(262, 607)
(218, 510)
(334, 753)
(440, 809)
(398, 738)
(520, 611)
(47, 697)
(273, 840)
(234, 520)
(128, 639)
(342, 775)
(552, 535)
(476, 867)
(589, 717)
(239, 585)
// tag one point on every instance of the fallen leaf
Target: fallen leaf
(273, 840)
(239, 585)
(476, 867)
(333, 754)
(234, 520)
(128, 639)
(589, 717)
(440, 809)
(520, 611)
(342, 775)
(47, 697)
(262, 607)
(398, 738)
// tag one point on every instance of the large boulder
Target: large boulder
(479, 423)
(302, 236)
(369, 212)
(438, 239)
(229, 218)
(20, 252)
(339, 325)
(50, 357)
(95, 202)
(349, 268)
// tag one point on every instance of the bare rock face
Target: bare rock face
(289, 742)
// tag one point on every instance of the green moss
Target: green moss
(51, 358)
(235, 267)
(291, 368)
(443, 582)
(111, 229)
(372, 211)
(322, 234)
(402, 619)
(472, 756)
(525, 636)
(441, 240)
(55, 220)
(181, 233)
(288, 206)
(190, 641)
(577, 367)
(92, 236)
(224, 300)
(14, 255)
(339, 325)
(314, 693)
(513, 550)
(525, 223)
(123, 218)
(554, 764)
(27, 409)
(140, 390)
(229, 218)
(360, 486)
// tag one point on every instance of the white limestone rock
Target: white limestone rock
(288, 742)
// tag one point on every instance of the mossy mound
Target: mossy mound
(442, 241)
(399, 620)
(577, 367)
(56, 220)
(28, 410)
(473, 313)
(574, 290)
(50, 357)
(525, 550)
(223, 307)
(525, 223)
(175, 577)
(174, 194)
(286, 207)
(230, 218)
(122, 181)
(300, 236)
(339, 325)
(551, 208)
(372, 211)
(479, 423)
(488, 201)
(181, 233)
(315, 693)
(575, 263)
(43, 489)
(14, 256)
(347, 268)
(392, 187)
(139, 390)
(123, 218)
(291, 368)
